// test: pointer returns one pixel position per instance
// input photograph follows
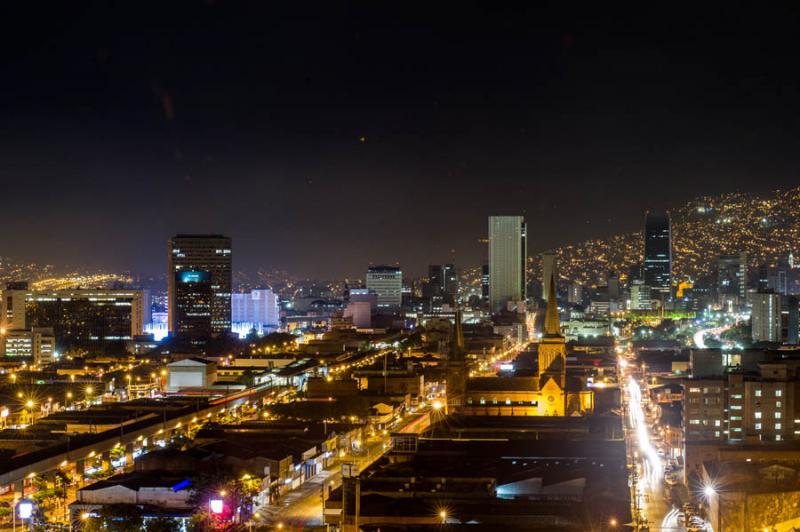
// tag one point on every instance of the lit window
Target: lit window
(778, 393)
(694, 422)
(716, 422)
(777, 404)
(778, 426)
(777, 415)
(758, 393)
(694, 390)
(758, 426)
(777, 437)
(483, 401)
(758, 415)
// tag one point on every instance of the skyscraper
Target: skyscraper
(732, 277)
(508, 253)
(766, 317)
(200, 253)
(549, 271)
(658, 254)
(387, 283)
(442, 285)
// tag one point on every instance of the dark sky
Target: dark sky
(322, 137)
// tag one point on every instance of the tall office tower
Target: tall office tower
(658, 254)
(732, 276)
(200, 253)
(387, 283)
(766, 317)
(575, 294)
(613, 286)
(508, 253)
(193, 308)
(485, 282)
(549, 271)
(793, 323)
(442, 285)
(640, 296)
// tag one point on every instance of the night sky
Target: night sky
(323, 137)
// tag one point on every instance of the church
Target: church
(550, 393)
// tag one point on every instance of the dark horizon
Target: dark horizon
(327, 138)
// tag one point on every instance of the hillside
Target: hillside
(765, 226)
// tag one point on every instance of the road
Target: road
(303, 506)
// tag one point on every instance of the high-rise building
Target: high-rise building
(192, 310)
(575, 293)
(485, 282)
(640, 296)
(549, 271)
(257, 309)
(658, 254)
(442, 286)
(387, 283)
(200, 253)
(78, 318)
(37, 342)
(766, 317)
(508, 252)
(732, 277)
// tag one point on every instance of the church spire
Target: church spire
(552, 324)
(457, 340)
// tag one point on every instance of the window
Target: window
(758, 393)
(736, 407)
(716, 422)
(494, 400)
(777, 437)
(778, 393)
(694, 390)
(469, 400)
(716, 434)
(736, 418)
(483, 401)
(777, 415)
(758, 415)
(778, 426)
(694, 422)
(508, 401)
(758, 426)
(777, 404)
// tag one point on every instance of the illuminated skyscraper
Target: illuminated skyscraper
(199, 253)
(508, 253)
(658, 254)
(766, 317)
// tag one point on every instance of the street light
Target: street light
(709, 491)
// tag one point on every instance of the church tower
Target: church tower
(552, 347)
(456, 367)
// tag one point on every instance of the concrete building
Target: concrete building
(508, 255)
(85, 318)
(200, 253)
(732, 279)
(38, 343)
(387, 283)
(640, 296)
(191, 373)
(257, 309)
(766, 317)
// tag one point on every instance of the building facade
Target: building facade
(766, 317)
(257, 309)
(658, 254)
(82, 318)
(387, 283)
(508, 254)
(211, 254)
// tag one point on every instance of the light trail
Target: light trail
(652, 465)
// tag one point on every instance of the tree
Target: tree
(162, 524)
(117, 518)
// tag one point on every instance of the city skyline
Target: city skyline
(199, 124)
